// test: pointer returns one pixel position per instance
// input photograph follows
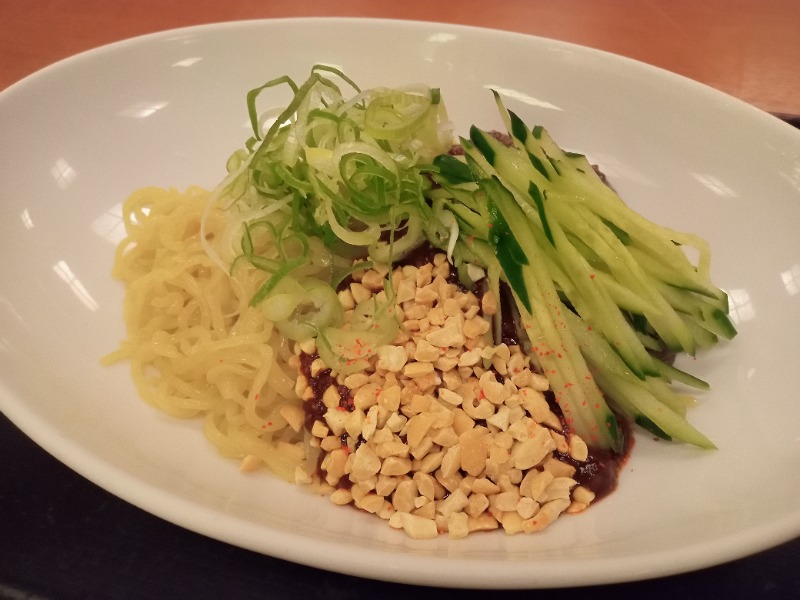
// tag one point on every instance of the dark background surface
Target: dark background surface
(64, 538)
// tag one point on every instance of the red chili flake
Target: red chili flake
(589, 328)
(258, 397)
(568, 384)
(346, 448)
(263, 427)
(592, 276)
(559, 355)
(269, 423)
(553, 371)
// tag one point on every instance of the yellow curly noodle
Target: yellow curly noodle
(195, 346)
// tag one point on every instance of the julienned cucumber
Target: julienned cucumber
(593, 280)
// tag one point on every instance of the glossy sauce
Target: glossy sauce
(600, 471)
(314, 408)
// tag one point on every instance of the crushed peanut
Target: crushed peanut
(446, 432)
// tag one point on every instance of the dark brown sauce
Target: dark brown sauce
(314, 408)
(601, 469)
(510, 317)
(600, 472)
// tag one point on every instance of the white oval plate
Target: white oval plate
(167, 109)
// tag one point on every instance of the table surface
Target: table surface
(747, 48)
(63, 537)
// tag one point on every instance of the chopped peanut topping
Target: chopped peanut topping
(444, 432)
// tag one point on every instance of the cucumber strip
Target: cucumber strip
(627, 299)
(610, 254)
(649, 342)
(680, 300)
(674, 374)
(568, 219)
(593, 346)
(470, 222)
(721, 319)
(717, 321)
(685, 278)
(536, 146)
(679, 403)
(520, 133)
(703, 337)
(640, 401)
(629, 273)
(603, 359)
(602, 356)
(650, 398)
(581, 401)
(579, 177)
(510, 161)
(703, 312)
(624, 297)
(588, 253)
(493, 274)
(658, 242)
(552, 343)
(605, 314)
(597, 307)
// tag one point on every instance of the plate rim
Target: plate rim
(105, 475)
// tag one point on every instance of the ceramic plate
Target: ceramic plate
(168, 109)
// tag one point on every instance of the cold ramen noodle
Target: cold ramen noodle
(453, 334)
